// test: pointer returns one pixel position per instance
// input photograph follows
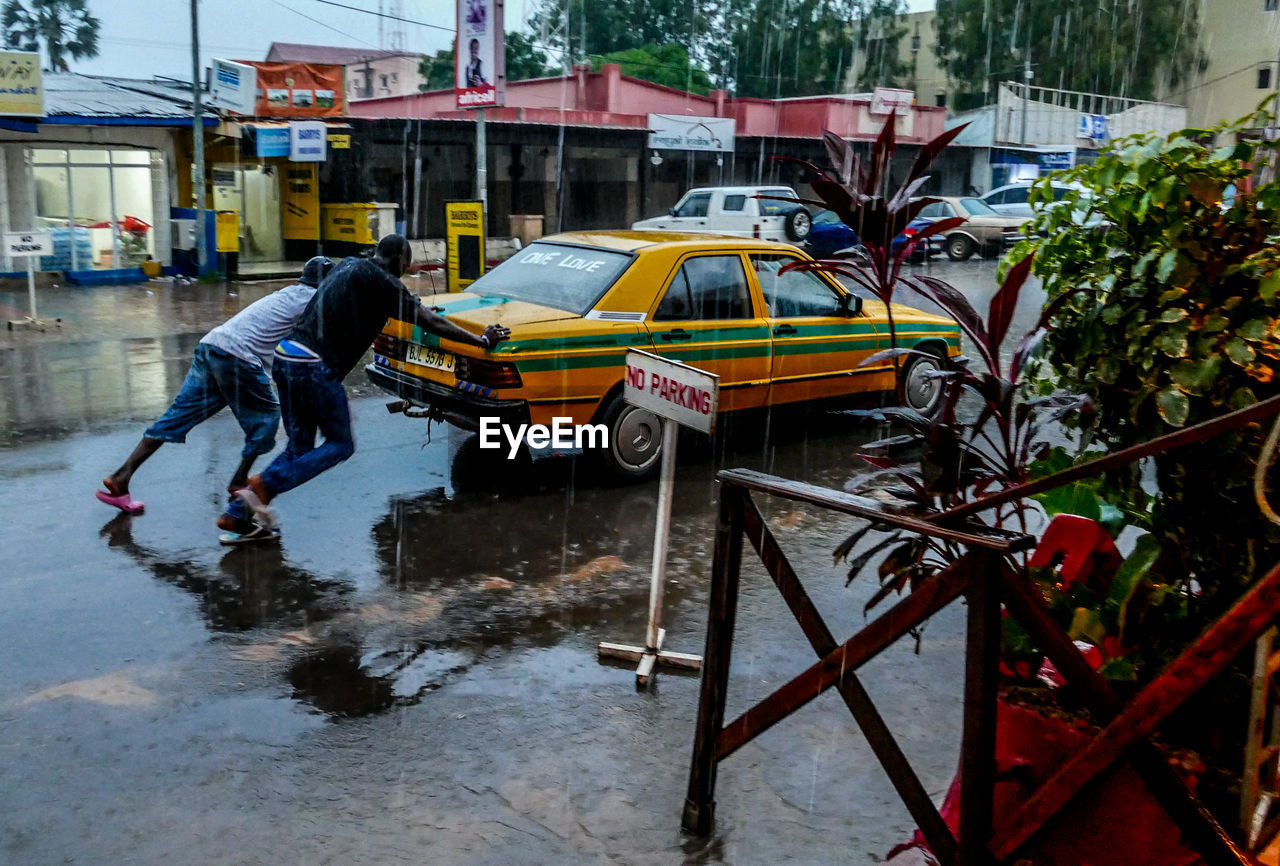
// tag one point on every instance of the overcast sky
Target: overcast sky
(142, 38)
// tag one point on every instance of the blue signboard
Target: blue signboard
(1093, 126)
(272, 141)
(1053, 161)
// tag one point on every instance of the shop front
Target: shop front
(99, 204)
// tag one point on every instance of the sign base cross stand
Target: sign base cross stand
(679, 394)
(29, 245)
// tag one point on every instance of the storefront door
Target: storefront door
(253, 191)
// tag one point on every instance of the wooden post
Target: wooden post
(978, 741)
(726, 565)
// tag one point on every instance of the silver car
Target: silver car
(983, 231)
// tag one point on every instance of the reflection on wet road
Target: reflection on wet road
(410, 674)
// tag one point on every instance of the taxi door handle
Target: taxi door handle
(784, 331)
(677, 334)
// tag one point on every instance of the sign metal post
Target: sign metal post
(680, 395)
(29, 245)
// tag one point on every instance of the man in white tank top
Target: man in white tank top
(231, 367)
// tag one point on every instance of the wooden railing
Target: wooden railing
(986, 576)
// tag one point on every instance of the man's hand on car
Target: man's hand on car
(494, 334)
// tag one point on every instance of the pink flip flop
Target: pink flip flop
(124, 502)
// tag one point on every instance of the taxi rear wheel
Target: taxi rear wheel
(635, 441)
(924, 391)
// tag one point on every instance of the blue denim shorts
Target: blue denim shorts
(216, 379)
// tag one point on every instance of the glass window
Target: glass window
(937, 210)
(131, 157)
(825, 218)
(694, 205)
(81, 156)
(735, 202)
(1264, 78)
(717, 287)
(51, 194)
(977, 206)
(997, 197)
(555, 275)
(794, 293)
(1016, 194)
(1060, 192)
(773, 207)
(1269, 5)
(676, 304)
(99, 203)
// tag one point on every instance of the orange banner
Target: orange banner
(298, 90)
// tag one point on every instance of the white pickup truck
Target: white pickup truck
(737, 210)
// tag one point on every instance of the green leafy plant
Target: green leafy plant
(1163, 270)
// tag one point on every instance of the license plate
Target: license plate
(428, 357)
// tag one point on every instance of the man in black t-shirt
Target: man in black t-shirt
(337, 327)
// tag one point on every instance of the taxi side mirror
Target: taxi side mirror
(850, 306)
(671, 211)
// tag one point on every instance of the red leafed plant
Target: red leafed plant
(961, 460)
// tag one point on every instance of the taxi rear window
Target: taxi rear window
(555, 275)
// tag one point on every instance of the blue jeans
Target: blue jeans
(312, 401)
(218, 379)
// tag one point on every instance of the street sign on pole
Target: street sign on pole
(29, 245)
(680, 395)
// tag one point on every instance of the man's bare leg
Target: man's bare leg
(240, 480)
(117, 483)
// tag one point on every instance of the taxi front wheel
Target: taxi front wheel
(635, 441)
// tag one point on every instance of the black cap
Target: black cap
(314, 271)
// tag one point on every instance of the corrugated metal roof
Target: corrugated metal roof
(333, 55)
(69, 94)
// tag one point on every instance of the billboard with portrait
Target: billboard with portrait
(481, 75)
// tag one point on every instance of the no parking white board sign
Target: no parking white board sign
(28, 245)
(18, 244)
(681, 396)
(673, 390)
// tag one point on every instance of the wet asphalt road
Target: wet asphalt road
(410, 676)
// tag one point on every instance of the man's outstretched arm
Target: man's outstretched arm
(440, 326)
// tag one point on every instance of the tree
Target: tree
(597, 27)
(525, 59)
(438, 71)
(64, 28)
(778, 48)
(1134, 48)
(879, 37)
(667, 65)
(765, 48)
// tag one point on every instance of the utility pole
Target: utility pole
(1026, 80)
(197, 138)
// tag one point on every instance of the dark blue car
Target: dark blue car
(829, 235)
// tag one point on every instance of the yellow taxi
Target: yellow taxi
(575, 303)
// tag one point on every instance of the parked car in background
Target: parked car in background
(744, 211)
(984, 231)
(1012, 199)
(830, 237)
(576, 302)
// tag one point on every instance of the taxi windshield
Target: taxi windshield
(562, 276)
